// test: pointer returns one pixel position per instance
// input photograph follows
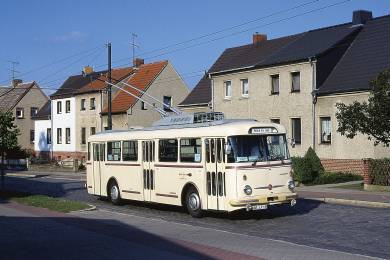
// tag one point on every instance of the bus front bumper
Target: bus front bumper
(252, 203)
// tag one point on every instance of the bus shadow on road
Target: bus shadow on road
(302, 207)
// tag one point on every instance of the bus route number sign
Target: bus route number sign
(263, 130)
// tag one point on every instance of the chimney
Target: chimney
(361, 16)
(257, 38)
(138, 62)
(16, 82)
(87, 70)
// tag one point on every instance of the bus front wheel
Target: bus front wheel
(193, 203)
(114, 193)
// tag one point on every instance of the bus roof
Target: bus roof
(226, 127)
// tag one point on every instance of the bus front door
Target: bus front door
(98, 161)
(148, 172)
(215, 173)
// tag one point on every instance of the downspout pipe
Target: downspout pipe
(212, 93)
(313, 63)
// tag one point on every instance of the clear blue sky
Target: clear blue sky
(37, 33)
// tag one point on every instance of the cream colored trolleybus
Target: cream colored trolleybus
(222, 165)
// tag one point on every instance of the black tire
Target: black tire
(193, 203)
(113, 193)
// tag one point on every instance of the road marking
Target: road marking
(233, 233)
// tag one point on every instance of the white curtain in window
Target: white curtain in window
(326, 129)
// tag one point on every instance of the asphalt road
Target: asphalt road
(349, 229)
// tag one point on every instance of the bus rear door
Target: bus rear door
(148, 171)
(215, 173)
(97, 163)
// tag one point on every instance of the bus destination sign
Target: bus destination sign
(263, 130)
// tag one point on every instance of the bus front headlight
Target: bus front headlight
(291, 185)
(248, 190)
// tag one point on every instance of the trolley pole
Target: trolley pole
(109, 119)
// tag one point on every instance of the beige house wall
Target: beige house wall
(167, 83)
(87, 118)
(263, 106)
(341, 147)
(34, 98)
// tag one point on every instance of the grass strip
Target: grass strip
(43, 201)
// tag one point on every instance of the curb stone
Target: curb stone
(361, 203)
(91, 208)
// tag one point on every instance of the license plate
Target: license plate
(259, 207)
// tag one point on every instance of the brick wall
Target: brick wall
(344, 165)
(74, 155)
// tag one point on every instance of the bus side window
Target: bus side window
(95, 152)
(212, 150)
(168, 149)
(102, 152)
(190, 150)
(130, 151)
(207, 146)
(89, 151)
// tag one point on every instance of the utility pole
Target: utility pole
(109, 119)
(133, 45)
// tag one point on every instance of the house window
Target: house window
(228, 89)
(92, 104)
(167, 101)
(59, 135)
(143, 107)
(48, 136)
(67, 135)
(59, 107)
(83, 135)
(275, 120)
(326, 130)
(190, 150)
(67, 106)
(168, 150)
(82, 104)
(114, 151)
(130, 150)
(93, 131)
(244, 87)
(32, 136)
(295, 81)
(296, 130)
(19, 112)
(33, 111)
(275, 84)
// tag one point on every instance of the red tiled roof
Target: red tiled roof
(142, 78)
(98, 84)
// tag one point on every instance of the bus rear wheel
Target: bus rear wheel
(114, 193)
(193, 203)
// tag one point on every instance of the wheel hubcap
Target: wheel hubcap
(194, 201)
(114, 192)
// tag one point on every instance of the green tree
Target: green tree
(8, 138)
(370, 118)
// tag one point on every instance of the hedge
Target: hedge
(380, 171)
(308, 168)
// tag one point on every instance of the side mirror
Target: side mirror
(292, 142)
(228, 149)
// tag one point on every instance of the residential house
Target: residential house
(297, 80)
(199, 99)
(159, 80)
(43, 131)
(23, 100)
(79, 106)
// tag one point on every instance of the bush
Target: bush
(336, 177)
(308, 168)
(380, 171)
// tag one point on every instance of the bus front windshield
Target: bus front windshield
(257, 148)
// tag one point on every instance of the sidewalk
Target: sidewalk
(34, 233)
(51, 174)
(329, 193)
